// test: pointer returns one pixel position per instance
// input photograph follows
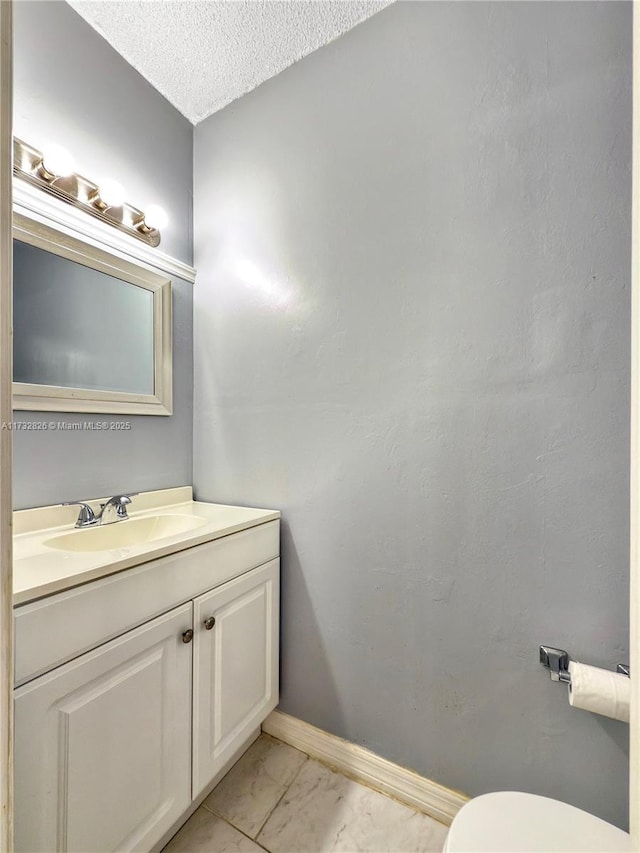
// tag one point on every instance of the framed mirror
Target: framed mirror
(92, 331)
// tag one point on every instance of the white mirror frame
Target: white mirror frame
(55, 398)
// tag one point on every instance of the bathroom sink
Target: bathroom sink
(123, 534)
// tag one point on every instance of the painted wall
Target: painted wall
(412, 336)
(73, 89)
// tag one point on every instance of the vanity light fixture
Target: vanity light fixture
(54, 172)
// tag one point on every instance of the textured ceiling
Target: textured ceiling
(202, 54)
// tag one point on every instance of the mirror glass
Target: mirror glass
(92, 327)
(79, 327)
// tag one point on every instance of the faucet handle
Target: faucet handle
(86, 515)
(119, 502)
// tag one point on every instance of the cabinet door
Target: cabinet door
(102, 744)
(235, 666)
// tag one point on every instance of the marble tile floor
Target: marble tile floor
(278, 799)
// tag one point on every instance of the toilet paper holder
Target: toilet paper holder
(557, 662)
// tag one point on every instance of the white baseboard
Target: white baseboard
(403, 785)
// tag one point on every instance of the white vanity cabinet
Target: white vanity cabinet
(102, 744)
(235, 667)
(114, 744)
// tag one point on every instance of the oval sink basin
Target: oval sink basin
(124, 534)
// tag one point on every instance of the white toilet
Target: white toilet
(513, 822)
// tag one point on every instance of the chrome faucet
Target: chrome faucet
(115, 509)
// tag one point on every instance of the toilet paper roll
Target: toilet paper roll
(600, 691)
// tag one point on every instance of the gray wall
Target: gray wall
(73, 89)
(412, 336)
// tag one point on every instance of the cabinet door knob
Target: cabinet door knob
(187, 636)
(210, 622)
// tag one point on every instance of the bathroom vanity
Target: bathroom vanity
(145, 665)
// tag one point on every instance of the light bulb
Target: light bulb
(57, 161)
(156, 217)
(111, 192)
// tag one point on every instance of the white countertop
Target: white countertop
(39, 570)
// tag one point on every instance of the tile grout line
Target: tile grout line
(284, 793)
(211, 809)
(253, 841)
